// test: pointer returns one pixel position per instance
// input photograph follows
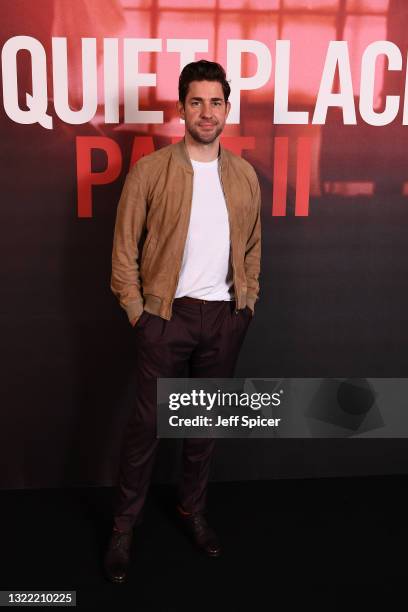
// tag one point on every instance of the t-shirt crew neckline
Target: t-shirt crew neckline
(202, 164)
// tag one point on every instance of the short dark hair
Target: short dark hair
(203, 70)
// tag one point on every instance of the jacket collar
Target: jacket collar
(182, 156)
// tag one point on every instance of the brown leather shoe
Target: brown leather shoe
(117, 556)
(203, 536)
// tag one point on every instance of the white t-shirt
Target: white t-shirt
(206, 271)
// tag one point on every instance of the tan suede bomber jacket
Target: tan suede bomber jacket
(151, 227)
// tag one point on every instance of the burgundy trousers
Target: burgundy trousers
(205, 337)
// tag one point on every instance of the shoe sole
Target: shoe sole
(212, 554)
(115, 580)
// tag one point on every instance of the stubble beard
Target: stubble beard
(195, 134)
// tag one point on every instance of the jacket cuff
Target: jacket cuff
(134, 310)
(250, 300)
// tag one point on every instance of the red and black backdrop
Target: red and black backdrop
(318, 107)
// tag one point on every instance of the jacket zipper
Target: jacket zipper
(232, 247)
(182, 250)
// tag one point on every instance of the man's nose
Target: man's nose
(206, 109)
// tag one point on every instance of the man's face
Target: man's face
(204, 110)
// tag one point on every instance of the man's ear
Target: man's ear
(180, 109)
(228, 108)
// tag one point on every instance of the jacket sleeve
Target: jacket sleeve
(130, 223)
(253, 251)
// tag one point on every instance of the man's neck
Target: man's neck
(202, 152)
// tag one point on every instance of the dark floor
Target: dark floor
(290, 541)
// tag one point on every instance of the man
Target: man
(185, 267)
